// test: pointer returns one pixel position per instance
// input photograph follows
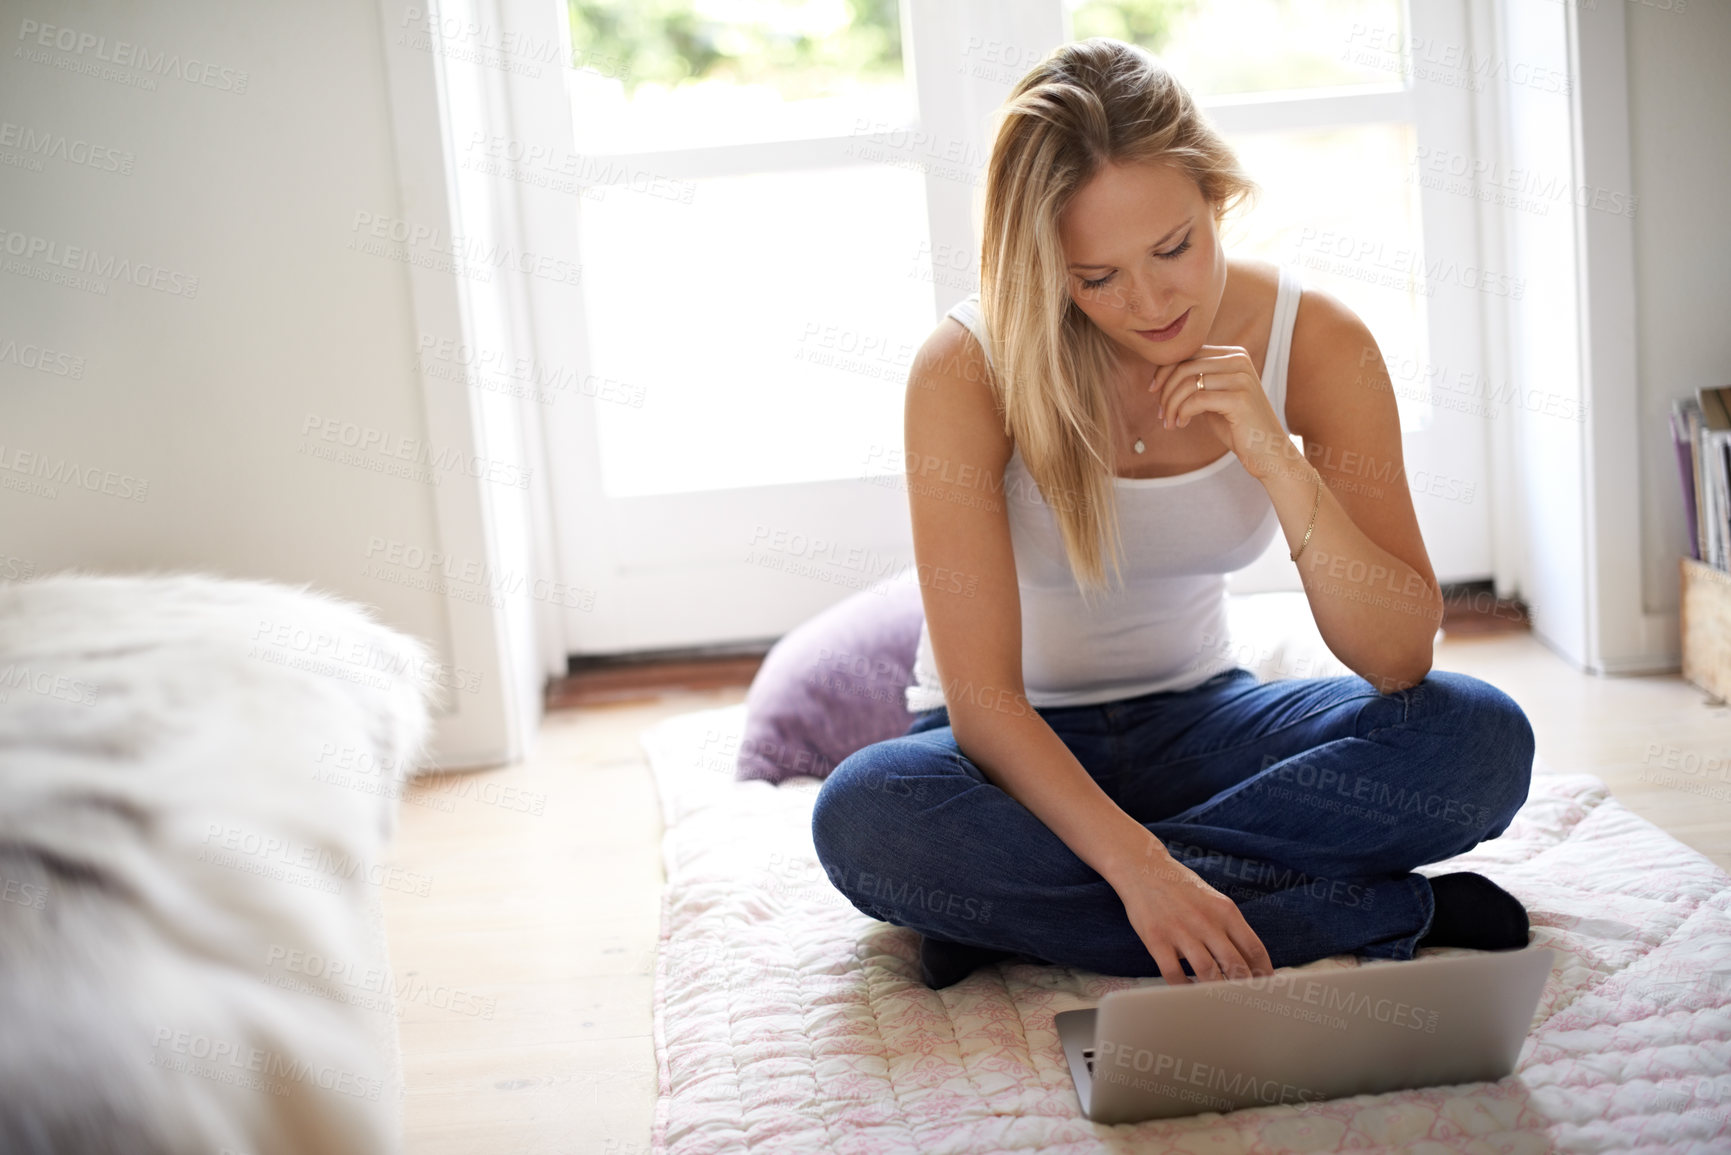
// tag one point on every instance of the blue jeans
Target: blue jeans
(1307, 801)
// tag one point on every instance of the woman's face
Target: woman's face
(1144, 259)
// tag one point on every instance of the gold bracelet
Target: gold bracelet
(1313, 509)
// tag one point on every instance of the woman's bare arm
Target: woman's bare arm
(956, 451)
(1366, 572)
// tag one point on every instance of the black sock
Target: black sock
(945, 963)
(1472, 911)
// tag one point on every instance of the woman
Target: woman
(1089, 779)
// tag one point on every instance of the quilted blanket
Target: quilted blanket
(786, 1021)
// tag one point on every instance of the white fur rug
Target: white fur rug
(197, 780)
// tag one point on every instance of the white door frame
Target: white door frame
(1623, 637)
(1569, 540)
(499, 641)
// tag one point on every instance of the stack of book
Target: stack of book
(1701, 427)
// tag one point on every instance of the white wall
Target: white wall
(1680, 138)
(249, 177)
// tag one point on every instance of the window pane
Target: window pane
(663, 74)
(1219, 47)
(768, 326)
(1357, 238)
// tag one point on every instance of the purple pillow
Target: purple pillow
(832, 685)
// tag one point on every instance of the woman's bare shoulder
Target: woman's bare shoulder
(1335, 363)
(952, 350)
(950, 382)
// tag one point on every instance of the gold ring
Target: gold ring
(1199, 383)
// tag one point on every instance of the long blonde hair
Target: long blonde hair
(1087, 104)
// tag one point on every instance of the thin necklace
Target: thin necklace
(1139, 446)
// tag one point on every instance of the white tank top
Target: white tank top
(1166, 629)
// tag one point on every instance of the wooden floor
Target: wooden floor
(543, 925)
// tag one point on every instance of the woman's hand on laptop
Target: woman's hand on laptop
(1179, 916)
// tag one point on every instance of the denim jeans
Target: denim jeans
(1307, 801)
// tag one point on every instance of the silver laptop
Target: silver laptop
(1302, 1036)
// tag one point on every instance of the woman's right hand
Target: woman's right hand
(1179, 916)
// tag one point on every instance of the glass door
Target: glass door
(777, 200)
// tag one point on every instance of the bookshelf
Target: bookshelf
(1701, 431)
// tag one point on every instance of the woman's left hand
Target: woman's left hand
(1233, 406)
